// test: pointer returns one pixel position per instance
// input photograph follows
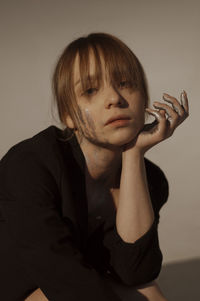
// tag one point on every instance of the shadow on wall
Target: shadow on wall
(179, 281)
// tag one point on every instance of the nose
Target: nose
(113, 97)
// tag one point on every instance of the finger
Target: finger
(184, 100)
(173, 116)
(162, 122)
(156, 113)
(175, 104)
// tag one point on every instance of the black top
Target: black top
(48, 239)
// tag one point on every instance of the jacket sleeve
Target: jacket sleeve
(43, 241)
(140, 262)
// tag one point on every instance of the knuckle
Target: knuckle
(176, 116)
(171, 133)
(182, 114)
(162, 114)
(175, 100)
(165, 105)
(176, 122)
(162, 135)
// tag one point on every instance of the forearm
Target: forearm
(37, 295)
(135, 213)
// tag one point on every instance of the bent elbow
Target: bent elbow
(145, 272)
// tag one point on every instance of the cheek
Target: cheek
(139, 115)
(142, 115)
(138, 109)
(89, 118)
(142, 118)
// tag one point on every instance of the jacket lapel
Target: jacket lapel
(74, 200)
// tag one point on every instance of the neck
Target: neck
(102, 165)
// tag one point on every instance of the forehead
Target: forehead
(90, 69)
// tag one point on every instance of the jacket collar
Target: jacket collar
(77, 153)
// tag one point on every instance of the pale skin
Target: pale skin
(105, 147)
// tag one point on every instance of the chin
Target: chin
(124, 137)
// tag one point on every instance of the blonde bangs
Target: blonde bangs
(84, 66)
(119, 61)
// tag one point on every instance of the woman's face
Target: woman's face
(97, 105)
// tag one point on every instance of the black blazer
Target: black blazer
(44, 228)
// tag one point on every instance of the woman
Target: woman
(80, 207)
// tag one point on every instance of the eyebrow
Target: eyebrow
(92, 77)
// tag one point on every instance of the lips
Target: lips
(119, 117)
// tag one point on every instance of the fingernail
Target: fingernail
(156, 114)
(183, 98)
(165, 95)
(153, 113)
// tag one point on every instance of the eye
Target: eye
(90, 91)
(124, 84)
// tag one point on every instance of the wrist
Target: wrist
(133, 159)
(133, 153)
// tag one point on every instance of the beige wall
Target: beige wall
(165, 37)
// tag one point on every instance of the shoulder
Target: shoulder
(40, 144)
(158, 184)
(43, 146)
(33, 162)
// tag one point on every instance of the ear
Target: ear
(69, 122)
